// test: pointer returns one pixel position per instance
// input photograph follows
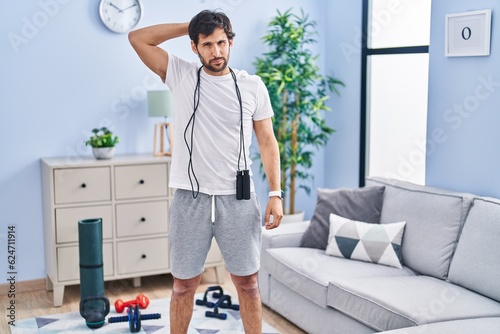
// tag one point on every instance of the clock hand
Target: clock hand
(113, 5)
(130, 7)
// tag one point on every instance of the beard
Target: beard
(215, 68)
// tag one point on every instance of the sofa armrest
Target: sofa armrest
(286, 235)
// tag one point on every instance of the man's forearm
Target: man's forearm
(269, 153)
(157, 34)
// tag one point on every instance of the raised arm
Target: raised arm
(269, 153)
(145, 42)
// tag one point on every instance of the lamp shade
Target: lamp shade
(160, 103)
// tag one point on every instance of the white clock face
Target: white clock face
(120, 15)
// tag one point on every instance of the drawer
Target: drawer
(140, 181)
(142, 218)
(68, 262)
(76, 185)
(141, 256)
(67, 221)
(214, 255)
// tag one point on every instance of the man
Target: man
(216, 109)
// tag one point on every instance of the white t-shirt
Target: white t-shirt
(216, 136)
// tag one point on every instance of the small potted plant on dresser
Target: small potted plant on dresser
(103, 143)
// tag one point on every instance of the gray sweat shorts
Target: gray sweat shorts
(235, 224)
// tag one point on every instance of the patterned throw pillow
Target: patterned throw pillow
(363, 204)
(376, 243)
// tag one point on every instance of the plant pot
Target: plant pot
(298, 216)
(103, 152)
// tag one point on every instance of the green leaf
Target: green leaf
(102, 137)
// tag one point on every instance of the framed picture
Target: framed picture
(468, 34)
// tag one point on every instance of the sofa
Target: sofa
(449, 275)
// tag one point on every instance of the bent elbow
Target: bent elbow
(132, 37)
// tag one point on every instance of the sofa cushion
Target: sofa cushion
(309, 316)
(467, 326)
(476, 262)
(386, 303)
(433, 218)
(309, 271)
(363, 204)
(376, 243)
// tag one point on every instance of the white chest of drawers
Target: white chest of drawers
(131, 195)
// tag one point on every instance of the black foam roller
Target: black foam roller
(94, 306)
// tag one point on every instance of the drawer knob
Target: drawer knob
(84, 185)
(143, 219)
(141, 181)
(143, 256)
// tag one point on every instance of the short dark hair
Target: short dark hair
(205, 23)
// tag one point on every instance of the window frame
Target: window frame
(366, 52)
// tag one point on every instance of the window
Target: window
(395, 63)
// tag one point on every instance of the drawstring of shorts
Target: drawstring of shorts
(213, 209)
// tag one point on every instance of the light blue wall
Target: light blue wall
(62, 74)
(463, 149)
(344, 62)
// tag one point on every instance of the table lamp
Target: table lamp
(160, 105)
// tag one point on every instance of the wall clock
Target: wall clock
(120, 16)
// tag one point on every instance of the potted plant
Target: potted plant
(103, 143)
(298, 93)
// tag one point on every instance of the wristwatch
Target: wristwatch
(277, 193)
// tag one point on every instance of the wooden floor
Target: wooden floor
(39, 302)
